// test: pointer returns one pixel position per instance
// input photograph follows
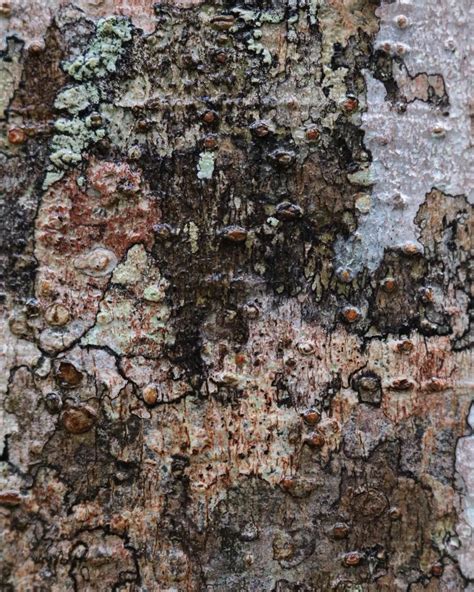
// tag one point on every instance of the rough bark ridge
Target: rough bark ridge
(236, 296)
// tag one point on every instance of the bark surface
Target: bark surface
(235, 307)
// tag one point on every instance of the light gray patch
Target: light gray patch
(422, 148)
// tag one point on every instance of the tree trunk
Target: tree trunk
(236, 297)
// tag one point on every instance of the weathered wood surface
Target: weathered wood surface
(235, 247)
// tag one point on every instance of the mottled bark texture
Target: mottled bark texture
(236, 296)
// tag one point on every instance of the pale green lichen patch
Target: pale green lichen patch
(205, 165)
(133, 317)
(156, 292)
(75, 135)
(258, 16)
(77, 98)
(102, 55)
(131, 270)
(67, 146)
(130, 327)
(365, 176)
(260, 50)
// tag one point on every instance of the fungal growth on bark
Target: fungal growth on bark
(235, 296)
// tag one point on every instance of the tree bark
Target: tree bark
(235, 247)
